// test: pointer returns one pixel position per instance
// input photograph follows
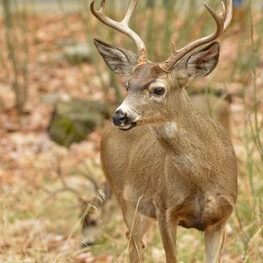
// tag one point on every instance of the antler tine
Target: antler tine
(229, 13)
(122, 26)
(130, 11)
(222, 21)
(223, 13)
(102, 6)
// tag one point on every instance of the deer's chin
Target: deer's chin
(128, 126)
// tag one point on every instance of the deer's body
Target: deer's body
(184, 169)
(207, 104)
(167, 161)
(215, 107)
(173, 166)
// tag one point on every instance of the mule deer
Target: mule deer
(101, 209)
(167, 161)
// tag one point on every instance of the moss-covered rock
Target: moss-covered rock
(78, 53)
(74, 119)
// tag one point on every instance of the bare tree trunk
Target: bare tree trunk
(19, 77)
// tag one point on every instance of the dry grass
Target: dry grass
(37, 226)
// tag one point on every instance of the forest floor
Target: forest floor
(38, 223)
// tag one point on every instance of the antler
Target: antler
(122, 26)
(222, 21)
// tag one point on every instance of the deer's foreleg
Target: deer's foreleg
(137, 226)
(214, 240)
(168, 235)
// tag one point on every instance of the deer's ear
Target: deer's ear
(202, 62)
(119, 60)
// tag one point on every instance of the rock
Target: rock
(74, 119)
(78, 53)
(53, 98)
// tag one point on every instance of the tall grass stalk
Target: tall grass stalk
(110, 37)
(132, 228)
(255, 55)
(61, 6)
(19, 63)
(150, 37)
(170, 13)
(86, 20)
(255, 126)
(251, 222)
(188, 25)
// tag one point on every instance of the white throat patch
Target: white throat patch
(170, 129)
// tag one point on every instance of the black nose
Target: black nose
(119, 118)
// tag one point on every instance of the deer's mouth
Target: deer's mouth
(127, 126)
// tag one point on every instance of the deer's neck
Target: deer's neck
(176, 135)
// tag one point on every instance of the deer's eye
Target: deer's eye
(158, 91)
(93, 222)
(126, 86)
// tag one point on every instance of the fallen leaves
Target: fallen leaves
(88, 257)
(33, 227)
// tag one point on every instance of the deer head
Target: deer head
(154, 89)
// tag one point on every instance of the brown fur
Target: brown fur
(178, 166)
(93, 222)
(168, 161)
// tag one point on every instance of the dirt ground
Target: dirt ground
(40, 224)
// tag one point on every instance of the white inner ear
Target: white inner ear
(203, 62)
(201, 59)
(118, 58)
(204, 68)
